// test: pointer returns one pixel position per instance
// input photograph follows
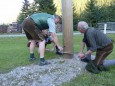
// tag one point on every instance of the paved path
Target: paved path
(21, 35)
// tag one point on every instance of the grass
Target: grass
(14, 53)
(88, 79)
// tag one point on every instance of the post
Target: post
(67, 25)
(105, 27)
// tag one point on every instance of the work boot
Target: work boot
(32, 58)
(42, 63)
(91, 67)
(85, 60)
(102, 68)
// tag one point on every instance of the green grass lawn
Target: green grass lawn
(14, 53)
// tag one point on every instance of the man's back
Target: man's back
(96, 38)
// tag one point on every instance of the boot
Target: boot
(85, 60)
(43, 62)
(101, 67)
(32, 58)
(91, 67)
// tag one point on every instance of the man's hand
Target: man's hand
(60, 48)
(81, 55)
(59, 51)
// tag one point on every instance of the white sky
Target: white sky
(9, 9)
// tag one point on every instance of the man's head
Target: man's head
(82, 26)
(57, 19)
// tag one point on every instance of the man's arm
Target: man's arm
(87, 53)
(81, 55)
(82, 47)
(55, 40)
(52, 30)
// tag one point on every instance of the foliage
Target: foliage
(107, 12)
(24, 11)
(94, 11)
(37, 6)
(111, 8)
(58, 6)
(25, 8)
(91, 13)
(47, 6)
(20, 18)
(75, 18)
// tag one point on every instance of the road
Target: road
(21, 35)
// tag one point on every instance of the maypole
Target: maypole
(67, 25)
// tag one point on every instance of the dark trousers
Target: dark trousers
(31, 30)
(101, 54)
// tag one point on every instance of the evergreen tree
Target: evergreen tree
(20, 18)
(111, 10)
(25, 8)
(91, 13)
(47, 6)
(75, 17)
(58, 6)
(107, 12)
(24, 11)
(35, 6)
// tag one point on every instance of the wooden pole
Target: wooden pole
(67, 25)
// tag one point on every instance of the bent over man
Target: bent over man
(33, 26)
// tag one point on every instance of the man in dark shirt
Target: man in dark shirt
(98, 42)
(83, 44)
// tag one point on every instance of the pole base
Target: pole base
(67, 55)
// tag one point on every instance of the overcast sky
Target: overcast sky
(9, 9)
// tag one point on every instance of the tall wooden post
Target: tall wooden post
(67, 25)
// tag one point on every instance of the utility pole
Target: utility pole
(67, 25)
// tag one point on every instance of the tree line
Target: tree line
(91, 11)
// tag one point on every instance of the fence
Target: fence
(108, 25)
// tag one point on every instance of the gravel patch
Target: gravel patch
(59, 71)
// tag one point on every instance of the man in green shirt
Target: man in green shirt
(97, 42)
(33, 27)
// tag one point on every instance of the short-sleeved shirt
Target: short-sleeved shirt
(52, 26)
(44, 21)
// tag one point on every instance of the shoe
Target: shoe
(44, 63)
(91, 67)
(102, 68)
(58, 51)
(85, 60)
(32, 59)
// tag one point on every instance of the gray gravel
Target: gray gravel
(59, 71)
